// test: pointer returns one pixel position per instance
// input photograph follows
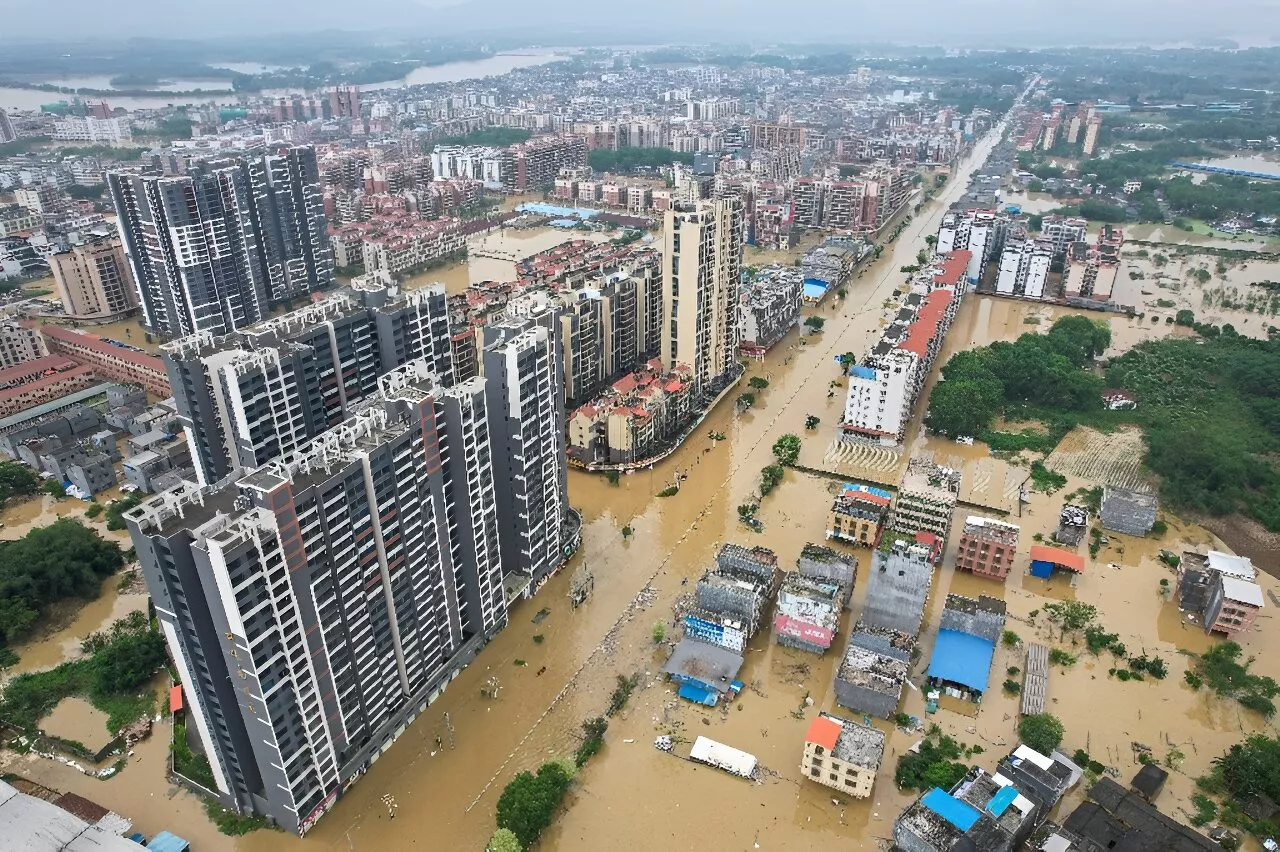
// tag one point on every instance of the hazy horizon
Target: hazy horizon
(979, 23)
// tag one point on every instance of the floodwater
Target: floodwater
(1234, 292)
(76, 719)
(502, 63)
(489, 256)
(447, 795)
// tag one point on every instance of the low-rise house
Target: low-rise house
(1232, 606)
(980, 813)
(987, 547)
(960, 666)
(842, 755)
(1128, 512)
(858, 514)
(1116, 818)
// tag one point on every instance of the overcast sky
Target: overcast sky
(953, 22)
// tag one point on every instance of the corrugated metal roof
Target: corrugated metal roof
(960, 814)
(962, 658)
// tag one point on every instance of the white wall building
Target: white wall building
(878, 405)
(90, 129)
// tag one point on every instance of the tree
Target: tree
(127, 662)
(528, 803)
(504, 840)
(770, 476)
(757, 383)
(659, 632)
(787, 449)
(1185, 318)
(17, 480)
(1252, 768)
(1071, 616)
(815, 323)
(1035, 223)
(811, 422)
(54, 489)
(931, 240)
(86, 193)
(922, 257)
(1041, 731)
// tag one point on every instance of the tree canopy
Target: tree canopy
(529, 801)
(1048, 370)
(65, 559)
(1041, 731)
(631, 159)
(17, 480)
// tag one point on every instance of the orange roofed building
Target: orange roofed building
(637, 417)
(842, 755)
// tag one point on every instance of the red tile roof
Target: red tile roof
(97, 344)
(39, 365)
(954, 268)
(824, 732)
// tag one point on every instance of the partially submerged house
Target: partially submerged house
(1221, 589)
(1116, 818)
(1128, 512)
(871, 674)
(842, 755)
(960, 666)
(1045, 560)
(811, 599)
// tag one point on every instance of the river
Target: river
(632, 796)
(472, 69)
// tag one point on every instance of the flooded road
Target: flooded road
(447, 795)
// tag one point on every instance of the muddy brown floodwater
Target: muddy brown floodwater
(632, 796)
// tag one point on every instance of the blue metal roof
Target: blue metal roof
(962, 658)
(814, 289)
(167, 841)
(960, 814)
(1002, 800)
(697, 695)
(863, 372)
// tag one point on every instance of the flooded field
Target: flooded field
(633, 796)
(1244, 293)
(76, 719)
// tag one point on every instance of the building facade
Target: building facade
(212, 250)
(266, 390)
(842, 755)
(987, 547)
(315, 606)
(702, 276)
(95, 282)
(20, 344)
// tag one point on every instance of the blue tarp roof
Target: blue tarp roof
(814, 289)
(863, 372)
(1002, 799)
(962, 658)
(960, 814)
(167, 841)
(697, 695)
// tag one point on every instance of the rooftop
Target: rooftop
(1241, 591)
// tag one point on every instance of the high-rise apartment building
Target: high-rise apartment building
(525, 398)
(344, 102)
(701, 278)
(212, 250)
(7, 132)
(316, 606)
(94, 281)
(266, 390)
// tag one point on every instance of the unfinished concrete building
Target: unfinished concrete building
(876, 664)
(737, 591)
(987, 547)
(927, 499)
(898, 587)
(824, 563)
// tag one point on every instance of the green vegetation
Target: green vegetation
(1154, 666)
(1046, 480)
(1041, 731)
(936, 764)
(746, 400)
(17, 480)
(86, 193)
(811, 423)
(497, 137)
(758, 383)
(63, 560)
(1099, 640)
(634, 159)
(1011, 687)
(669, 491)
(21, 146)
(118, 666)
(787, 449)
(770, 476)
(659, 632)
(117, 508)
(1071, 616)
(1010, 639)
(186, 762)
(1226, 674)
(1211, 411)
(54, 489)
(528, 803)
(504, 840)
(592, 740)
(1059, 657)
(815, 323)
(232, 823)
(1206, 809)
(94, 510)
(1047, 370)
(621, 692)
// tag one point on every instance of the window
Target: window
(815, 772)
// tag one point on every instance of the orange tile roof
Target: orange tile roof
(954, 267)
(824, 732)
(1064, 558)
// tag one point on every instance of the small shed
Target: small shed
(1044, 559)
(1128, 512)
(731, 760)
(175, 699)
(1149, 781)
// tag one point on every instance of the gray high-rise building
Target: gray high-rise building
(315, 606)
(248, 397)
(523, 383)
(213, 249)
